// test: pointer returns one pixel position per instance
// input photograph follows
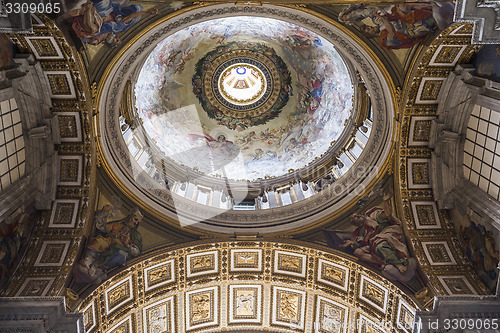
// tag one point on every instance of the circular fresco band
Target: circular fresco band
(258, 109)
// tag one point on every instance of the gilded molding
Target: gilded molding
(277, 297)
(125, 65)
(47, 265)
(432, 231)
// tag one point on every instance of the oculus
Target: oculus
(242, 84)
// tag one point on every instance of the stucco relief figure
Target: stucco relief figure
(159, 320)
(379, 240)
(333, 273)
(331, 320)
(114, 243)
(288, 306)
(200, 307)
(245, 304)
(204, 262)
(290, 262)
(245, 259)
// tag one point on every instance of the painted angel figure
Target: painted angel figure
(98, 21)
(379, 240)
(215, 152)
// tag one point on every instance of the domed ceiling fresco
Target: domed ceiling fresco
(226, 112)
(257, 96)
(248, 98)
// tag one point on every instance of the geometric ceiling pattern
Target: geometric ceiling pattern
(485, 16)
(59, 233)
(432, 231)
(247, 285)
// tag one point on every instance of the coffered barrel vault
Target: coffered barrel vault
(247, 285)
(336, 128)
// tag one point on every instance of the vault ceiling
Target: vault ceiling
(194, 117)
(163, 278)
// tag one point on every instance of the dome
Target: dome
(140, 241)
(245, 97)
(225, 111)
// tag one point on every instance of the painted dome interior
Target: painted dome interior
(245, 98)
(220, 183)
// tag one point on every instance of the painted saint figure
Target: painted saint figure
(481, 249)
(118, 241)
(11, 242)
(114, 244)
(378, 238)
